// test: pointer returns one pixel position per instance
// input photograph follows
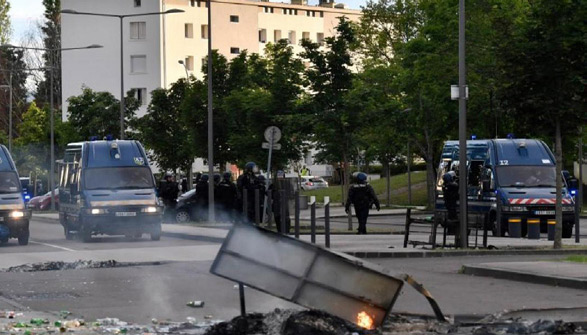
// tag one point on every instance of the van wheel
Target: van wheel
(156, 232)
(85, 233)
(23, 238)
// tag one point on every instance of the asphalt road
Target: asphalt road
(140, 293)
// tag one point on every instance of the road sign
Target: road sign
(276, 134)
(276, 146)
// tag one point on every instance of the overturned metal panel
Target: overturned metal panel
(306, 274)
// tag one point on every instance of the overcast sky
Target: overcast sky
(25, 13)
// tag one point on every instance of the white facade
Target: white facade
(154, 44)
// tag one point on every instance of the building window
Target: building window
(193, 3)
(138, 64)
(262, 35)
(137, 3)
(234, 18)
(189, 30)
(189, 63)
(235, 51)
(321, 14)
(276, 35)
(291, 37)
(203, 4)
(306, 35)
(268, 9)
(138, 30)
(320, 38)
(204, 31)
(141, 95)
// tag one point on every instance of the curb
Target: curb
(461, 253)
(525, 277)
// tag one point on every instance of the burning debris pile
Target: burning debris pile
(77, 265)
(289, 322)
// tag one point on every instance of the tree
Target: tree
(547, 75)
(330, 79)
(51, 30)
(163, 131)
(4, 21)
(32, 151)
(13, 75)
(98, 113)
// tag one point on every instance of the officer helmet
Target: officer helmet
(216, 178)
(251, 167)
(168, 174)
(204, 178)
(447, 178)
(260, 178)
(361, 177)
(227, 176)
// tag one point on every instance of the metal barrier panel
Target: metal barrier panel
(306, 274)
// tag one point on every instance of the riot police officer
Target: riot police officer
(202, 197)
(362, 196)
(246, 188)
(168, 191)
(226, 194)
(450, 192)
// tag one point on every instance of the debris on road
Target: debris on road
(77, 265)
(196, 303)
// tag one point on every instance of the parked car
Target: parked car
(312, 183)
(185, 210)
(43, 202)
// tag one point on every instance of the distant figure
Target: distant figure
(226, 194)
(450, 192)
(168, 191)
(184, 185)
(304, 171)
(276, 204)
(362, 196)
(246, 189)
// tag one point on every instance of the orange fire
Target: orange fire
(364, 320)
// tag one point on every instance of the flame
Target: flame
(364, 320)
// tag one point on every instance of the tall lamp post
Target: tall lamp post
(187, 78)
(464, 239)
(52, 126)
(211, 213)
(121, 18)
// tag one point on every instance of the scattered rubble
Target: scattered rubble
(77, 265)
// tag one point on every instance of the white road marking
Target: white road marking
(52, 246)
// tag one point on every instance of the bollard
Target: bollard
(257, 204)
(515, 227)
(241, 294)
(327, 222)
(297, 215)
(533, 229)
(551, 228)
(282, 212)
(313, 219)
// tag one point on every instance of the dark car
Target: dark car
(186, 207)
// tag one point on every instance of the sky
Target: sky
(25, 13)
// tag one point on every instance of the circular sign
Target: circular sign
(272, 132)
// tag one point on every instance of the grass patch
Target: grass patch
(397, 182)
(577, 259)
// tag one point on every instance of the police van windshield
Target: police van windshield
(9, 182)
(118, 178)
(526, 176)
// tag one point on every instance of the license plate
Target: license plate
(126, 213)
(544, 212)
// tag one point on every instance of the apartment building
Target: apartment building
(153, 44)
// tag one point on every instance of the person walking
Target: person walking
(168, 191)
(362, 197)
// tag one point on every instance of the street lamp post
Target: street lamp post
(187, 78)
(51, 109)
(211, 213)
(121, 18)
(462, 129)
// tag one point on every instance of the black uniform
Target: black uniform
(226, 196)
(362, 196)
(450, 192)
(246, 188)
(168, 191)
(202, 198)
(276, 203)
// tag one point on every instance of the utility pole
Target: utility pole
(462, 129)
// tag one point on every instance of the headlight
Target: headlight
(96, 211)
(150, 209)
(515, 208)
(16, 214)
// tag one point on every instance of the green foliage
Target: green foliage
(98, 113)
(163, 131)
(51, 29)
(4, 21)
